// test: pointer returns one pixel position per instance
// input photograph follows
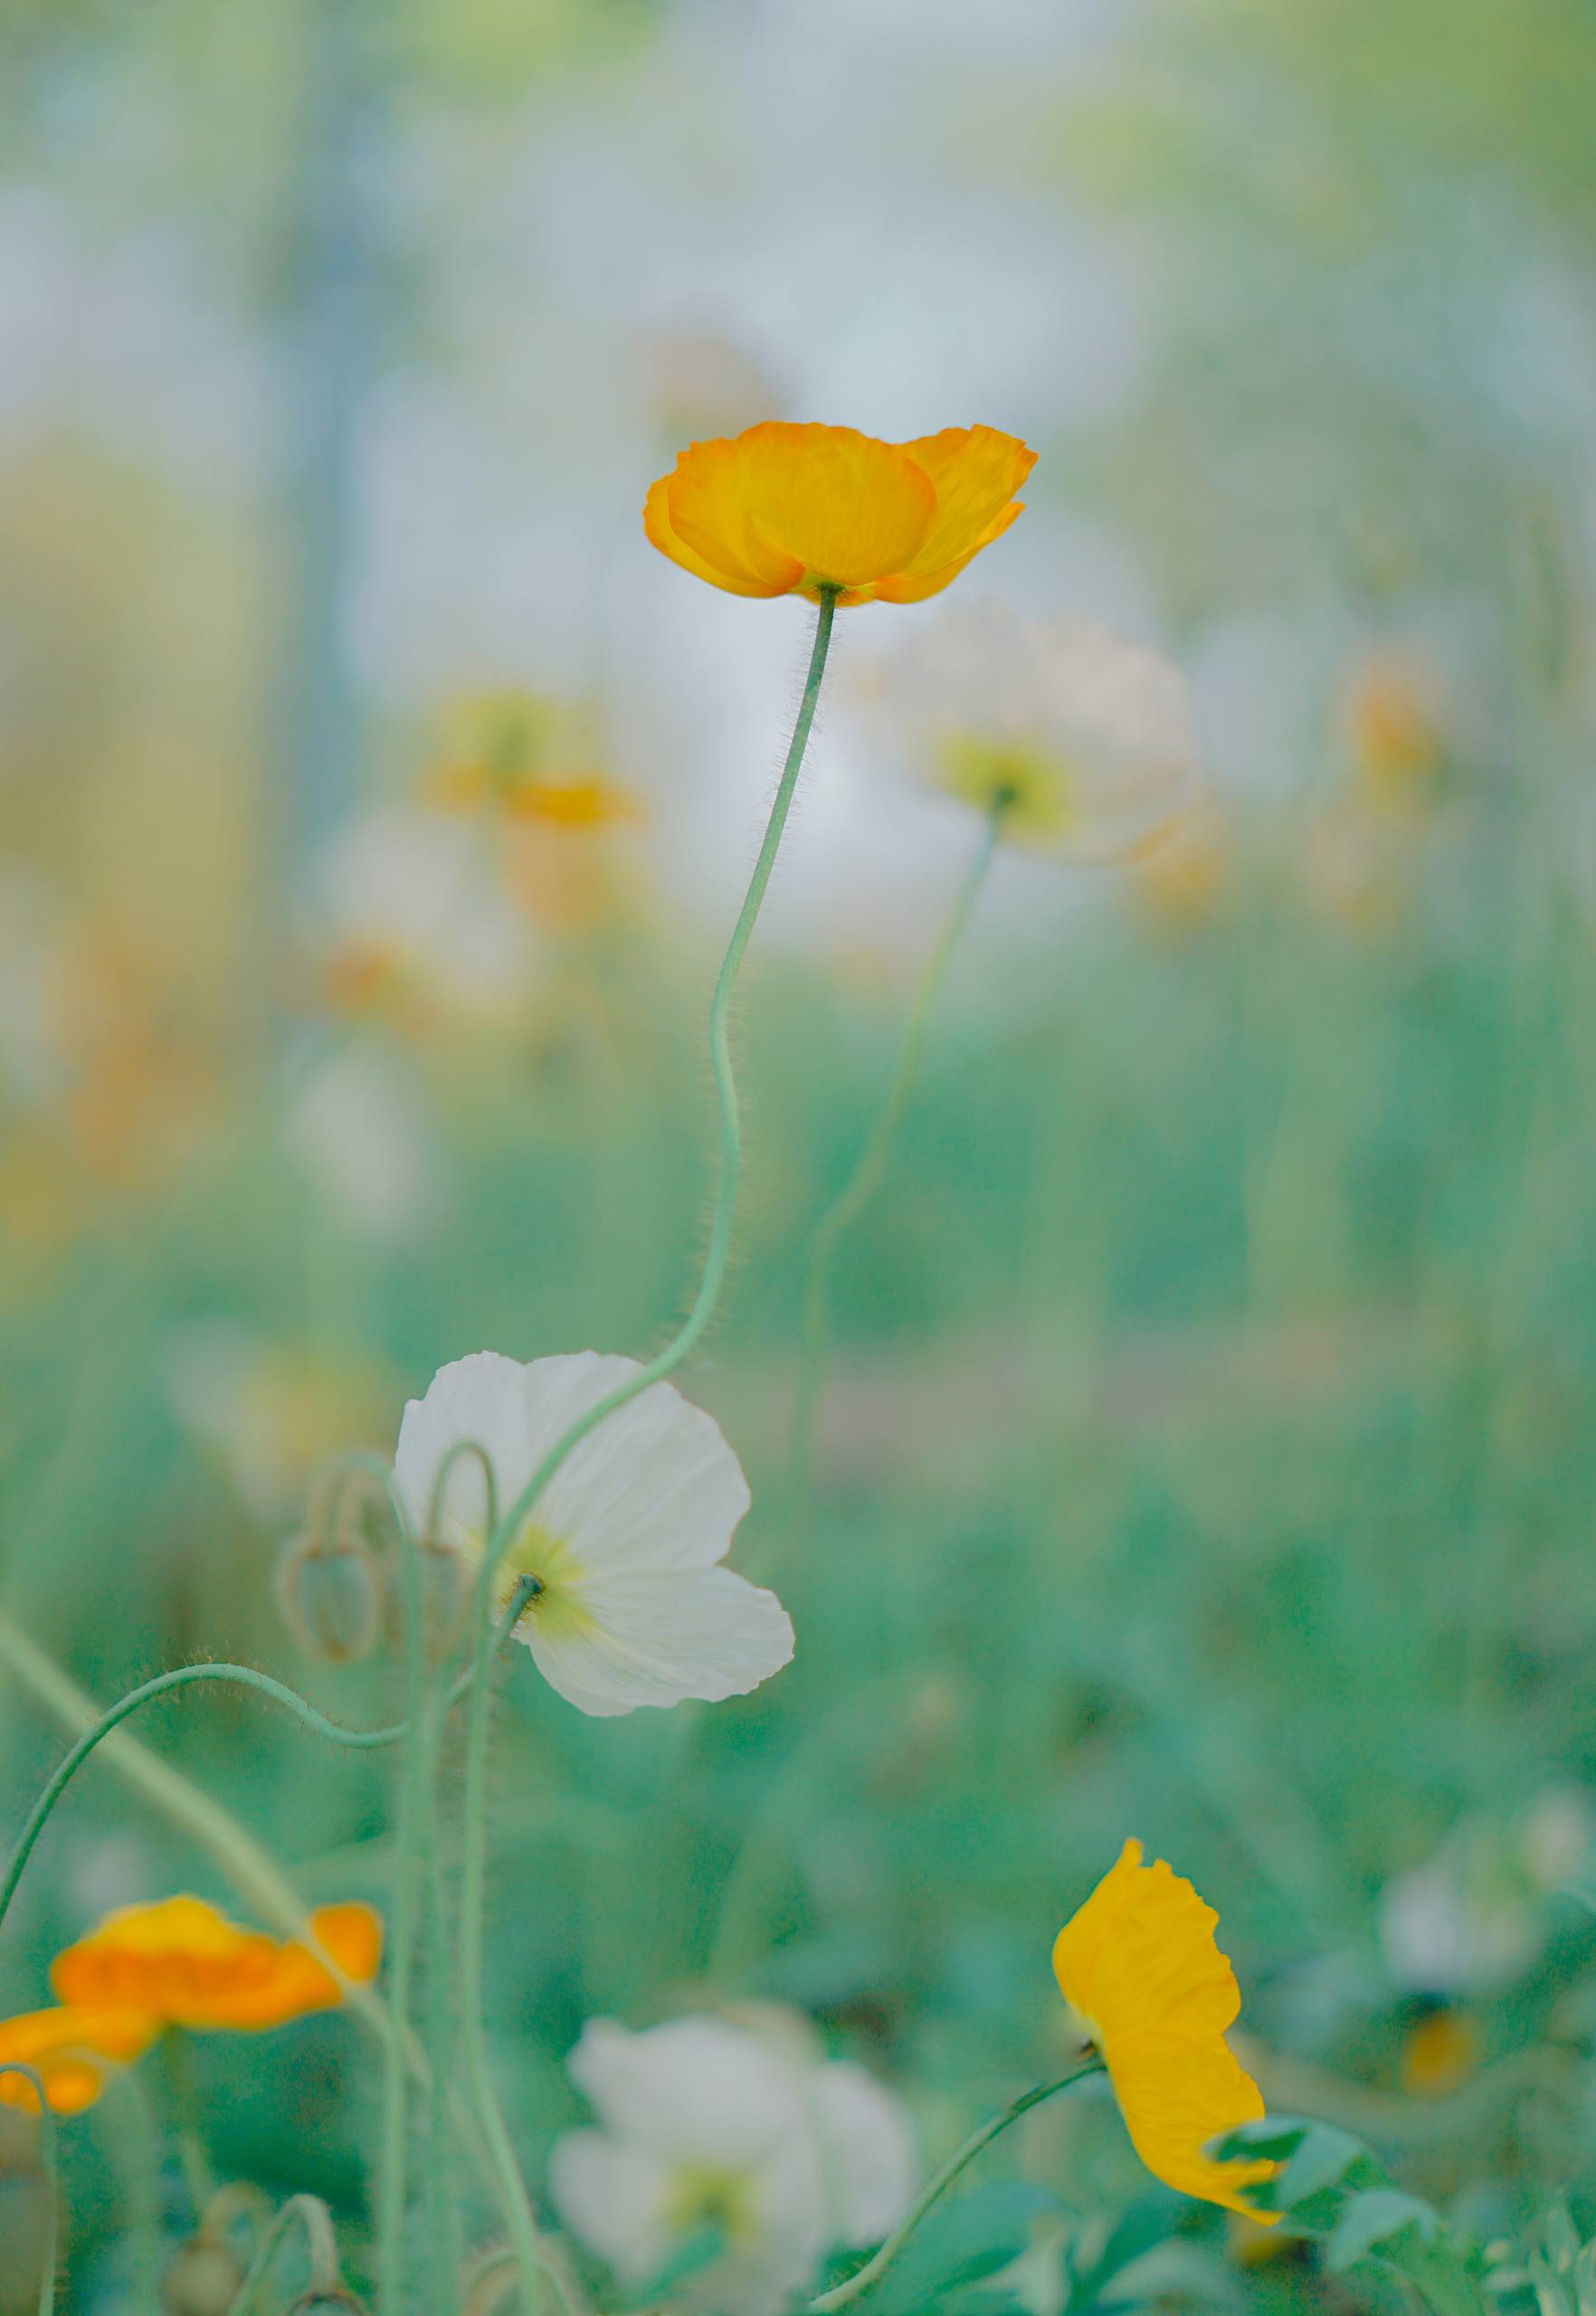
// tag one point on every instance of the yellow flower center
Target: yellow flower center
(555, 1609)
(1034, 790)
(702, 2196)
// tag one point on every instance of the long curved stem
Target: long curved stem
(181, 1676)
(870, 1165)
(873, 2270)
(52, 2248)
(184, 1676)
(518, 2213)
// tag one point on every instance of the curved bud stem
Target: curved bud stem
(873, 2270)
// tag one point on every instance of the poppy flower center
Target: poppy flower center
(554, 1608)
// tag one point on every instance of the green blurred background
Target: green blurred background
(1208, 1450)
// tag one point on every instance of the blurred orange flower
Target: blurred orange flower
(1154, 1995)
(188, 1966)
(784, 510)
(529, 756)
(69, 2050)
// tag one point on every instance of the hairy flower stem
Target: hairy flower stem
(518, 2215)
(320, 2243)
(868, 1169)
(50, 2257)
(852, 2287)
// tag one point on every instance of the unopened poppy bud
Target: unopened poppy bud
(329, 1592)
(203, 2278)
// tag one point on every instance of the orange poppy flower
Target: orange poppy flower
(69, 2050)
(807, 510)
(191, 1967)
(1154, 1995)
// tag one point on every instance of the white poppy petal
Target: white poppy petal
(696, 2090)
(613, 2193)
(482, 1398)
(657, 1639)
(654, 1485)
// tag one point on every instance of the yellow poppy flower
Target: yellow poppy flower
(1139, 1965)
(189, 1966)
(806, 510)
(69, 2050)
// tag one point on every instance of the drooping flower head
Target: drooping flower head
(1084, 743)
(738, 2135)
(184, 1964)
(630, 1606)
(1139, 1965)
(72, 2050)
(803, 510)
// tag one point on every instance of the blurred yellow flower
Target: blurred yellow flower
(1139, 1965)
(528, 757)
(1391, 716)
(1441, 2049)
(187, 1965)
(785, 509)
(69, 2048)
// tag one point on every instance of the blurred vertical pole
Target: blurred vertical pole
(335, 313)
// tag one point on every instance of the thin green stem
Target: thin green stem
(51, 2171)
(863, 2279)
(518, 2213)
(320, 2245)
(871, 1166)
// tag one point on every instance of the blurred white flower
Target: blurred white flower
(364, 1139)
(1088, 741)
(630, 1606)
(415, 923)
(1472, 1917)
(742, 2142)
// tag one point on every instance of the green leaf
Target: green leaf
(1372, 2219)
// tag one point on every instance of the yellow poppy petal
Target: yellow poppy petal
(352, 1935)
(69, 2050)
(975, 471)
(189, 1966)
(913, 587)
(845, 507)
(720, 570)
(1140, 1963)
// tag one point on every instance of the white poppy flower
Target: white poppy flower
(1088, 740)
(745, 2139)
(630, 1606)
